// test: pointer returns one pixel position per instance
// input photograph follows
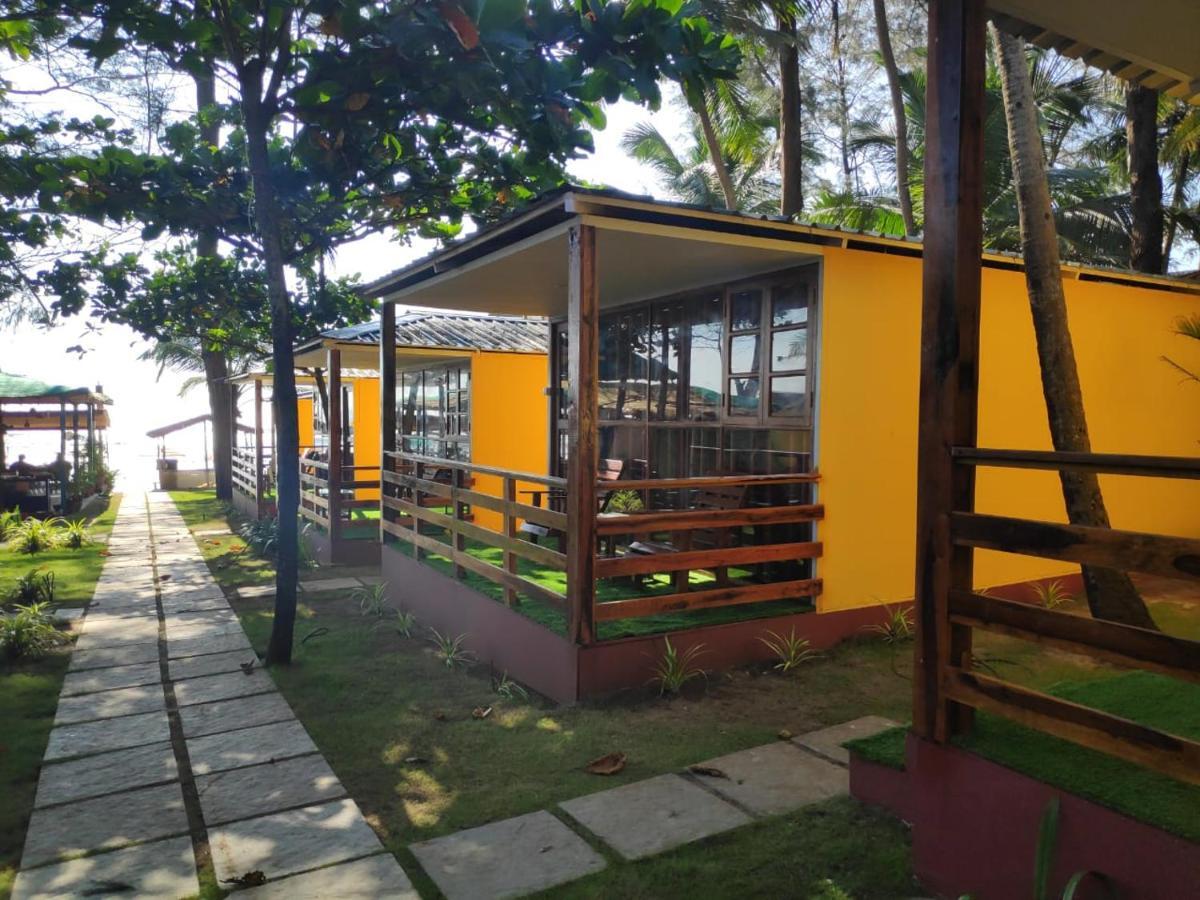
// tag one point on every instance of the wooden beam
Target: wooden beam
(583, 376)
(387, 393)
(650, 484)
(730, 596)
(693, 519)
(716, 558)
(1124, 645)
(334, 473)
(1102, 463)
(949, 344)
(259, 487)
(1128, 551)
(1148, 747)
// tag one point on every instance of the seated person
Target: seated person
(20, 467)
(60, 468)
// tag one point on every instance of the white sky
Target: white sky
(142, 401)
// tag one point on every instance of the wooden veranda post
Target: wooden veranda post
(583, 374)
(334, 474)
(259, 487)
(387, 399)
(949, 347)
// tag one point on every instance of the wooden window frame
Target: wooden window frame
(462, 439)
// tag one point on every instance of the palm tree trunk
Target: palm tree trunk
(791, 142)
(1111, 594)
(216, 365)
(1179, 179)
(898, 113)
(700, 107)
(1145, 182)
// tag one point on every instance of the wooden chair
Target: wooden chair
(713, 497)
(556, 499)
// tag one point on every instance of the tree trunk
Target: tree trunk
(1178, 195)
(1145, 182)
(1111, 594)
(216, 365)
(791, 140)
(893, 76)
(843, 104)
(283, 403)
(700, 108)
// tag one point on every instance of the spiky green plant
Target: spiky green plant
(10, 521)
(406, 623)
(372, 600)
(509, 689)
(790, 651)
(35, 586)
(450, 650)
(1051, 594)
(76, 534)
(673, 669)
(28, 631)
(37, 535)
(897, 627)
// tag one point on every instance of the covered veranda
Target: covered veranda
(79, 415)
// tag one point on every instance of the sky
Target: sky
(143, 400)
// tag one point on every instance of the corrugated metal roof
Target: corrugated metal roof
(454, 331)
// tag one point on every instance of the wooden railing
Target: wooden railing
(330, 502)
(1139, 648)
(424, 497)
(251, 472)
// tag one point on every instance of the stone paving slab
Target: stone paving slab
(223, 687)
(104, 823)
(139, 610)
(330, 584)
(172, 607)
(776, 778)
(828, 741)
(105, 773)
(101, 622)
(210, 664)
(200, 617)
(229, 715)
(88, 642)
(178, 593)
(648, 817)
(69, 614)
(195, 630)
(222, 643)
(269, 788)
(82, 661)
(254, 591)
(211, 532)
(364, 879)
(292, 841)
(90, 681)
(106, 704)
(509, 858)
(163, 869)
(108, 734)
(248, 747)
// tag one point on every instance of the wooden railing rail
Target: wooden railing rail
(1102, 463)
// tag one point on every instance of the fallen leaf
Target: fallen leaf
(415, 760)
(250, 879)
(707, 771)
(609, 764)
(480, 713)
(357, 101)
(460, 23)
(784, 735)
(247, 667)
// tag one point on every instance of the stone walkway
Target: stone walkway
(171, 749)
(166, 752)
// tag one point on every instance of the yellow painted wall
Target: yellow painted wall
(867, 430)
(509, 420)
(366, 432)
(304, 410)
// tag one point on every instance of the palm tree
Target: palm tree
(1111, 594)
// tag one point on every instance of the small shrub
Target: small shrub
(372, 601)
(35, 586)
(625, 502)
(510, 690)
(1051, 594)
(10, 521)
(260, 536)
(406, 623)
(790, 651)
(450, 650)
(674, 669)
(897, 627)
(29, 631)
(76, 534)
(37, 535)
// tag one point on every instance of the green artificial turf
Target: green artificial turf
(29, 688)
(885, 748)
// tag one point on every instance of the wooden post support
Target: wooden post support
(260, 500)
(387, 402)
(75, 439)
(510, 531)
(949, 348)
(91, 442)
(62, 457)
(583, 374)
(334, 473)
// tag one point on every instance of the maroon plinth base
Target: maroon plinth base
(975, 831)
(342, 552)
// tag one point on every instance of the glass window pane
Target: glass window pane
(789, 396)
(745, 310)
(790, 306)
(665, 345)
(464, 377)
(743, 353)
(704, 358)
(789, 350)
(743, 396)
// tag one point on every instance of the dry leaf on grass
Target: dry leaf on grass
(784, 735)
(708, 771)
(609, 764)
(480, 712)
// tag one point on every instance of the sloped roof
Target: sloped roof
(30, 390)
(452, 331)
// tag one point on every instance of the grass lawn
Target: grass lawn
(29, 690)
